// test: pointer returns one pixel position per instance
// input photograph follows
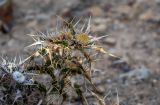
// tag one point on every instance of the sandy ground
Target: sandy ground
(133, 27)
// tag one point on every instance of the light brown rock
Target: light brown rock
(95, 11)
(110, 41)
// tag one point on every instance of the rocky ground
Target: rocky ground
(133, 27)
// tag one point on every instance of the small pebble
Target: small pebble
(110, 41)
(96, 11)
(139, 74)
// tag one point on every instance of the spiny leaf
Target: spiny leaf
(41, 87)
(64, 43)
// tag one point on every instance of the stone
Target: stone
(124, 11)
(96, 11)
(146, 15)
(150, 16)
(101, 20)
(42, 17)
(101, 89)
(110, 41)
(157, 1)
(32, 24)
(138, 74)
(99, 28)
(29, 17)
(100, 24)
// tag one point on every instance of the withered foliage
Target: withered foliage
(65, 56)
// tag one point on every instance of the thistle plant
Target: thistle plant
(63, 55)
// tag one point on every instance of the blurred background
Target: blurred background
(133, 27)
